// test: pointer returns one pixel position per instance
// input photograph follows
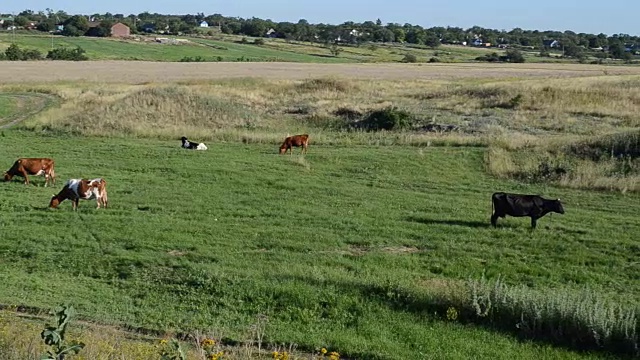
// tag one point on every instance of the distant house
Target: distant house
(120, 30)
(271, 33)
(477, 42)
(31, 25)
(149, 28)
(551, 43)
(5, 19)
(355, 33)
(204, 24)
(59, 27)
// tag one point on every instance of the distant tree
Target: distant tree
(232, 27)
(79, 23)
(21, 21)
(399, 34)
(617, 51)
(432, 40)
(102, 30)
(416, 36)
(70, 30)
(572, 50)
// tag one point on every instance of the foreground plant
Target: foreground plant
(54, 336)
(171, 350)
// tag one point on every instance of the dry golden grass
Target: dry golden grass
(136, 72)
(556, 159)
(514, 115)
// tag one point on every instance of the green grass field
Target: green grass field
(230, 48)
(339, 248)
(7, 106)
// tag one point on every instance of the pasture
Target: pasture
(231, 48)
(363, 245)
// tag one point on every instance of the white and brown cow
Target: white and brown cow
(32, 166)
(76, 189)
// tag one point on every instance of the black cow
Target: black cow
(519, 205)
(192, 145)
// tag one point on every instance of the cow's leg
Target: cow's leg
(75, 204)
(25, 176)
(494, 219)
(47, 177)
(533, 222)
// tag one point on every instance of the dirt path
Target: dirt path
(27, 105)
(143, 71)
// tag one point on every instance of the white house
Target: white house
(204, 24)
(477, 42)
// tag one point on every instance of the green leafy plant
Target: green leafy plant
(54, 336)
(171, 350)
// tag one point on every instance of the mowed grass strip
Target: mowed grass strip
(323, 245)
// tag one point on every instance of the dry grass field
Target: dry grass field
(133, 72)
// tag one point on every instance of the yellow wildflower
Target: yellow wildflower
(275, 354)
(209, 342)
(163, 341)
(334, 356)
(323, 351)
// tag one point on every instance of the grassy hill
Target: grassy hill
(232, 48)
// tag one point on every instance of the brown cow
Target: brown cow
(76, 189)
(295, 141)
(32, 166)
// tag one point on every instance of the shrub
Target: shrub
(434, 60)
(32, 54)
(13, 53)
(193, 59)
(62, 53)
(579, 319)
(514, 56)
(390, 118)
(258, 41)
(335, 50)
(493, 57)
(410, 58)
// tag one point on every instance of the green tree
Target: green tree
(70, 30)
(616, 49)
(399, 34)
(79, 22)
(20, 21)
(432, 40)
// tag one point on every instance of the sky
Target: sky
(589, 16)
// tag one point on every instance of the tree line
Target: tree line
(617, 45)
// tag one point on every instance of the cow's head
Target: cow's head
(7, 176)
(556, 206)
(54, 202)
(283, 149)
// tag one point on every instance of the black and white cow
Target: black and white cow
(192, 145)
(519, 205)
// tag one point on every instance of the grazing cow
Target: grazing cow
(192, 145)
(32, 166)
(294, 141)
(76, 189)
(519, 205)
